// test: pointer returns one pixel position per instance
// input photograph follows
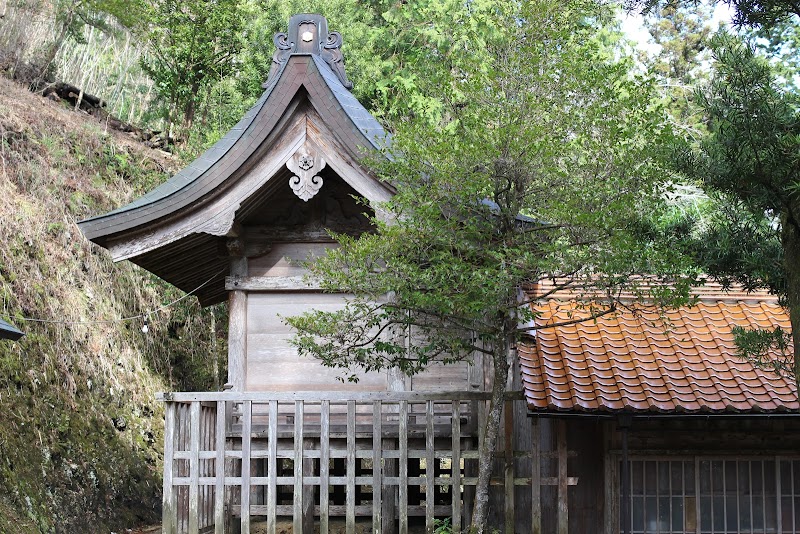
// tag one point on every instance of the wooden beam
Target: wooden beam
(271, 283)
(291, 234)
(338, 396)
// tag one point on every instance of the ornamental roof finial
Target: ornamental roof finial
(308, 34)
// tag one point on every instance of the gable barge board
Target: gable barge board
(244, 182)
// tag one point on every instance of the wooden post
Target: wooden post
(536, 476)
(377, 481)
(272, 467)
(350, 514)
(508, 466)
(429, 466)
(324, 466)
(563, 508)
(247, 430)
(388, 504)
(624, 425)
(308, 489)
(299, 494)
(219, 470)
(169, 517)
(403, 489)
(237, 329)
(194, 468)
(455, 466)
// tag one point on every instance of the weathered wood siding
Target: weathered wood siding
(285, 259)
(713, 435)
(274, 365)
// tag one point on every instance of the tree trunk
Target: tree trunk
(481, 510)
(790, 236)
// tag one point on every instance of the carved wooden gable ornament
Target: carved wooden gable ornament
(305, 138)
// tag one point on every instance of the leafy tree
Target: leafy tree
(752, 13)
(531, 159)
(682, 35)
(749, 160)
(747, 164)
(191, 45)
(780, 44)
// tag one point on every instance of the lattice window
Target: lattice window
(714, 495)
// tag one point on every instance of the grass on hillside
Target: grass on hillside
(80, 431)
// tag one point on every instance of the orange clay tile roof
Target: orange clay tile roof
(640, 364)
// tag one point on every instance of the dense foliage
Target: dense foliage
(748, 162)
(532, 158)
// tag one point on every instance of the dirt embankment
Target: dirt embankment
(80, 431)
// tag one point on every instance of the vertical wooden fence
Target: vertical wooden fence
(403, 459)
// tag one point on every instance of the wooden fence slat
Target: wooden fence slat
(247, 430)
(219, 465)
(429, 466)
(455, 467)
(536, 475)
(403, 489)
(199, 479)
(272, 466)
(508, 447)
(194, 467)
(350, 518)
(169, 517)
(377, 479)
(297, 512)
(563, 509)
(324, 466)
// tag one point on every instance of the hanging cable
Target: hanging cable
(125, 319)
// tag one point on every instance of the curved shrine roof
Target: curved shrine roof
(177, 230)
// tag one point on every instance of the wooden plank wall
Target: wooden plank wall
(273, 364)
(409, 445)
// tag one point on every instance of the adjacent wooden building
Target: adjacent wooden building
(667, 429)
(610, 419)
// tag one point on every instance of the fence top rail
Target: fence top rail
(335, 396)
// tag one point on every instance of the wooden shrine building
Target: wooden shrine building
(674, 414)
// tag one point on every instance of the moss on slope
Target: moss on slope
(80, 431)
